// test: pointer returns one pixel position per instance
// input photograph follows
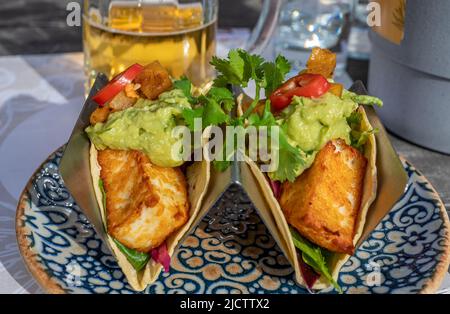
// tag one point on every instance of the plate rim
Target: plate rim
(49, 285)
(432, 284)
(28, 256)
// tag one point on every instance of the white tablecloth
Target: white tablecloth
(40, 99)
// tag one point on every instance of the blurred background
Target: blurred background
(39, 26)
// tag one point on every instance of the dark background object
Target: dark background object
(37, 26)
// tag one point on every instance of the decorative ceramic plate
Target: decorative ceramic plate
(408, 252)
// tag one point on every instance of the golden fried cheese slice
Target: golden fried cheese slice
(321, 61)
(323, 203)
(144, 203)
(154, 79)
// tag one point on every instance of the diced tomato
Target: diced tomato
(117, 84)
(306, 85)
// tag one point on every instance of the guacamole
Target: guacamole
(311, 122)
(147, 127)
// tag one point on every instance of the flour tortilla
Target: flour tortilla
(369, 193)
(198, 175)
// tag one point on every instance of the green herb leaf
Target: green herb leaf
(289, 160)
(189, 115)
(359, 139)
(223, 96)
(354, 120)
(239, 69)
(237, 64)
(210, 112)
(102, 190)
(213, 114)
(314, 257)
(231, 70)
(266, 119)
(252, 68)
(137, 259)
(283, 65)
(274, 73)
(185, 85)
(272, 78)
(222, 165)
(289, 157)
(212, 108)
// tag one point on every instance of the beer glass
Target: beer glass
(180, 34)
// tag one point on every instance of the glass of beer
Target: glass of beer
(180, 34)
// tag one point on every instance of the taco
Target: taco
(148, 195)
(320, 197)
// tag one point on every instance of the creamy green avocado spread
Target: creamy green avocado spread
(147, 127)
(311, 122)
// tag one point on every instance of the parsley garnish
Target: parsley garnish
(213, 108)
(240, 68)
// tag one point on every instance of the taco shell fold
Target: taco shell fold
(197, 177)
(336, 260)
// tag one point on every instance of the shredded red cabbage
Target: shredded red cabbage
(308, 274)
(276, 188)
(161, 256)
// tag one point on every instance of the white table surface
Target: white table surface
(40, 99)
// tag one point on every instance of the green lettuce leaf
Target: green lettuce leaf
(102, 190)
(137, 259)
(314, 257)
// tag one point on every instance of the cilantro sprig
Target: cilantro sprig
(239, 69)
(213, 107)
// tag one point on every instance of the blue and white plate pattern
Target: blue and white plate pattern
(407, 253)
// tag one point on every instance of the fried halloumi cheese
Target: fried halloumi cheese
(321, 61)
(154, 79)
(323, 203)
(144, 203)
